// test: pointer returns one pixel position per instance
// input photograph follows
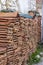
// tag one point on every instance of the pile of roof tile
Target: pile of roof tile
(39, 28)
(3, 56)
(19, 35)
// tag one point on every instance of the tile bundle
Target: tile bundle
(3, 56)
(19, 36)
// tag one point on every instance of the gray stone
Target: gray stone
(41, 53)
(40, 63)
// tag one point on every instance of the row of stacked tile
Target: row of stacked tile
(3, 56)
(39, 28)
(19, 36)
(3, 41)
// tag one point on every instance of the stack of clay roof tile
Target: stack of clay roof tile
(20, 36)
(3, 32)
(39, 28)
(10, 50)
(6, 36)
(29, 28)
(3, 56)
